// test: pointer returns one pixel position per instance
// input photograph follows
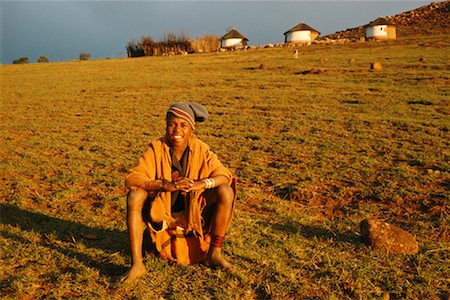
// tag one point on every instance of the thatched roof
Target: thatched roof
(379, 21)
(301, 27)
(233, 34)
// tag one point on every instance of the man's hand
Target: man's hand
(181, 184)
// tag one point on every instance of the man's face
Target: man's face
(178, 131)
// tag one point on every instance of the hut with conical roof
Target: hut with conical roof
(380, 29)
(233, 38)
(301, 33)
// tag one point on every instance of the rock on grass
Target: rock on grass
(376, 66)
(384, 236)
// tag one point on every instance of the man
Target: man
(190, 195)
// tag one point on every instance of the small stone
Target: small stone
(381, 235)
(376, 66)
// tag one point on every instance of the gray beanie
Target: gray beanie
(189, 111)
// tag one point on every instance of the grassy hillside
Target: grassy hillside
(315, 154)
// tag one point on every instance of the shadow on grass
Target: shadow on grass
(323, 233)
(310, 232)
(109, 241)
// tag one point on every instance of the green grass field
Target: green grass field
(314, 153)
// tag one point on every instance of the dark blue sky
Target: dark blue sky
(61, 30)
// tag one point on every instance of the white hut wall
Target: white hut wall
(231, 42)
(379, 31)
(298, 36)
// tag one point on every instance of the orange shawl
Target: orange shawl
(156, 164)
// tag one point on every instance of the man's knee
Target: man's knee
(226, 194)
(136, 199)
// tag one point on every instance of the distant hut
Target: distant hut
(380, 29)
(301, 33)
(233, 39)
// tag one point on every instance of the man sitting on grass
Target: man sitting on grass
(182, 193)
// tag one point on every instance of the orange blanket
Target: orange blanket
(184, 245)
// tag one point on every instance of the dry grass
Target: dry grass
(314, 153)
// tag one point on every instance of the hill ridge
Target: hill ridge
(428, 19)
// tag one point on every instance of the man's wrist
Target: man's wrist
(163, 185)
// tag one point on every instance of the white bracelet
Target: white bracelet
(209, 183)
(213, 183)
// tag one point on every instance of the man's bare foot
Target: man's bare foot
(215, 259)
(135, 272)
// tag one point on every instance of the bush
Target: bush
(84, 56)
(134, 50)
(172, 44)
(206, 43)
(42, 59)
(22, 60)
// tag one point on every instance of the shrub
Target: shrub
(84, 56)
(42, 59)
(134, 50)
(172, 44)
(206, 43)
(22, 60)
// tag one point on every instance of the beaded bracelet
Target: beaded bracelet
(209, 183)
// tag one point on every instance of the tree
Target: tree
(84, 56)
(22, 60)
(133, 49)
(42, 59)
(146, 45)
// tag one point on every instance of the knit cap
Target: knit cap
(190, 111)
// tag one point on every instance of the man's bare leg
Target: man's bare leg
(136, 227)
(221, 222)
